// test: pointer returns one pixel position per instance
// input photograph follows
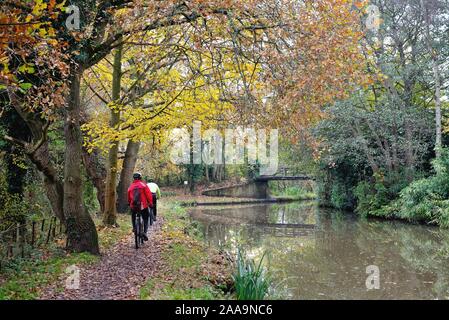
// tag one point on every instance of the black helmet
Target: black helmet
(137, 176)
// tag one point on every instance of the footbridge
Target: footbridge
(256, 189)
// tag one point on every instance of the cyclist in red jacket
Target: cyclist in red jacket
(140, 199)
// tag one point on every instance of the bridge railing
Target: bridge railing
(286, 171)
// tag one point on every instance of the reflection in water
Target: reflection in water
(330, 260)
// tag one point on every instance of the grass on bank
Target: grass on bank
(189, 269)
(22, 279)
(292, 193)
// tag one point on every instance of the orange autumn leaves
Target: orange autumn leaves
(26, 34)
(33, 65)
(307, 53)
(323, 63)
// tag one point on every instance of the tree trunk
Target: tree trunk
(81, 232)
(110, 204)
(129, 164)
(53, 185)
(438, 140)
(437, 79)
(206, 170)
(96, 172)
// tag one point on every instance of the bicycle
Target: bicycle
(138, 234)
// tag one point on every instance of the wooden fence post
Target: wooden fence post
(24, 234)
(18, 232)
(49, 231)
(33, 233)
(54, 228)
(17, 238)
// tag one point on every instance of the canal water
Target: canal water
(315, 253)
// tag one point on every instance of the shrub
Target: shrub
(12, 209)
(372, 197)
(341, 197)
(250, 281)
(424, 199)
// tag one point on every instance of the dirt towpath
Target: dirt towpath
(119, 274)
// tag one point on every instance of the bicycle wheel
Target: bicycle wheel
(141, 230)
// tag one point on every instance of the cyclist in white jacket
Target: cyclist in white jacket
(156, 193)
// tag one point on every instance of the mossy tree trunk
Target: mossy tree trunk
(129, 164)
(110, 210)
(81, 232)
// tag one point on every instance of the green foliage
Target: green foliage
(335, 183)
(250, 281)
(3, 132)
(297, 156)
(17, 208)
(359, 141)
(367, 199)
(194, 173)
(90, 197)
(165, 194)
(253, 170)
(340, 196)
(424, 200)
(12, 208)
(26, 277)
(372, 196)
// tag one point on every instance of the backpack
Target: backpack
(136, 199)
